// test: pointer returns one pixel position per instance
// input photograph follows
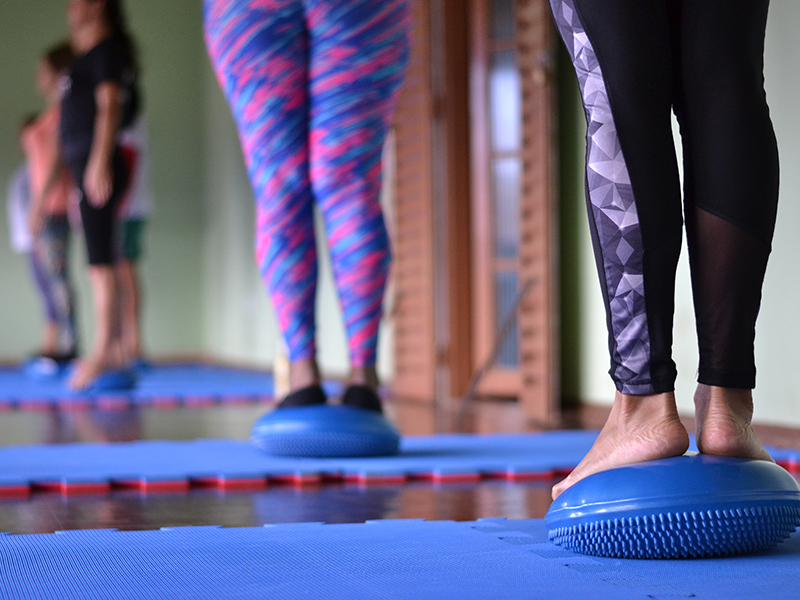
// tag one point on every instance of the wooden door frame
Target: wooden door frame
(497, 381)
(540, 394)
(434, 335)
(535, 382)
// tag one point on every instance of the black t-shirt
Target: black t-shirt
(107, 62)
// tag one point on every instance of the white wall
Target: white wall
(777, 395)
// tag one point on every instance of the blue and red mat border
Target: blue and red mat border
(178, 466)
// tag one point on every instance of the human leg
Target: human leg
(39, 273)
(731, 196)
(129, 296)
(259, 50)
(358, 53)
(129, 288)
(99, 226)
(53, 247)
(623, 55)
(104, 355)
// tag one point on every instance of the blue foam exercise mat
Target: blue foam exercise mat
(322, 431)
(388, 560)
(175, 465)
(687, 506)
(168, 385)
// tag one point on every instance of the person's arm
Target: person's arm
(98, 180)
(36, 208)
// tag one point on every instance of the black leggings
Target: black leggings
(637, 61)
(100, 224)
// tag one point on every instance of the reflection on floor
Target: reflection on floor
(45, 513)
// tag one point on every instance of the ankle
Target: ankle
(712, 402)
(366, 376)
(303, 373)
(645, 409)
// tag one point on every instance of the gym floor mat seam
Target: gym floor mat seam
(176, 466)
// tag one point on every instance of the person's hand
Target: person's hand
(35, 222)
(98, 182)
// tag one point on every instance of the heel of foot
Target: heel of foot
(362, 396)
(311, 395)
(731, 438)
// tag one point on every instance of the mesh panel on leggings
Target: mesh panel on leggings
(728, 266)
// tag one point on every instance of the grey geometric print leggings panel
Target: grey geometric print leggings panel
(637, 61)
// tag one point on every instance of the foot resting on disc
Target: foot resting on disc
(639, 428)
(89, 369)
(362, 396)
(723, 417)
(307, 396)
(643, 428)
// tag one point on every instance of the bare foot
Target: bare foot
(723, 418)
(639, 428)
(91, 368)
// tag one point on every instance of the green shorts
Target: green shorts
(131, 239)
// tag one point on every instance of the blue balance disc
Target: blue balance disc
(695, 505)
(114, 381)
(42, 368)
(325, 431)
(117, 380)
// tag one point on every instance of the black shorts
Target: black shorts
(100, 224)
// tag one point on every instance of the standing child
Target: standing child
(47, 216)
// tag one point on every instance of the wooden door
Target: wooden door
(455, 261)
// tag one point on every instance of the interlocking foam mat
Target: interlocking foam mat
(159, 385)
(228, 464)
(484, 559)
(158, 466)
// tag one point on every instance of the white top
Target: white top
(138, 202)
(18, 203)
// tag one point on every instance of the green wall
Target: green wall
(170, 40)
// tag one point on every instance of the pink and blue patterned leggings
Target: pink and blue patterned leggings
(312, 85)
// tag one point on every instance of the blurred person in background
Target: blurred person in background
(136, 210)
(99, 100)
(47, 217)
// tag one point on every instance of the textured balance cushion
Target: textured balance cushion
(116, 380)
(695, 505)
(325, 431)
(42, 368)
